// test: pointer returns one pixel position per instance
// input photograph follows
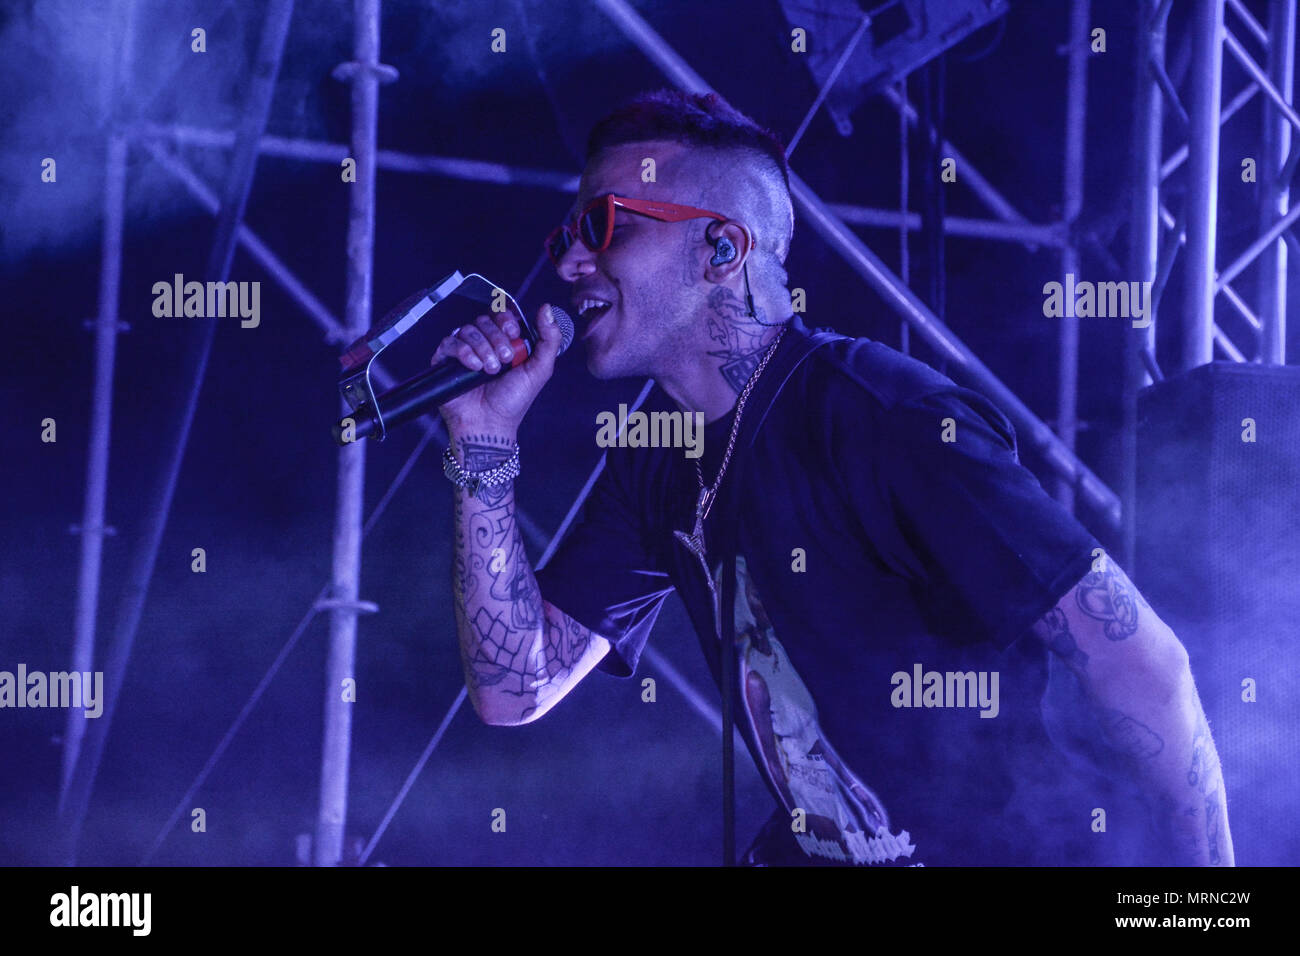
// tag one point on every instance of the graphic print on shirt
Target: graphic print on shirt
(845, 820)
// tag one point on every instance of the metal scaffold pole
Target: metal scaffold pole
(234, 198)
(1076, 117)
(1144, 247)
(365, 73)
(1206, 83)
(93, 525)
(1275, 188)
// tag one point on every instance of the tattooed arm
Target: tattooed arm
(520, 653)
(1135, 673)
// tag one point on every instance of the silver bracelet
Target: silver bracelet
(472, 481)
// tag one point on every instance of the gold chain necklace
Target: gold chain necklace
(708, 495)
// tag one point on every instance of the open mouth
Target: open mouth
(591, 310)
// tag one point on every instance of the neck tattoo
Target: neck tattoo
(708, 494)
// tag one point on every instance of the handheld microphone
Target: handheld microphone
(424, 392)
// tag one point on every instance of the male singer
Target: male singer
(859, 535)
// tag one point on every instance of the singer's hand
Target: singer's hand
(499, 405)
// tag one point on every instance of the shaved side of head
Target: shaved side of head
(733, 166)
(743, 184)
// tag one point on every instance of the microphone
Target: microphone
(447, 380)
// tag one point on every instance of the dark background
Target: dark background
(605, 778)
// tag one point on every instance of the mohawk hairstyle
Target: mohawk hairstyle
(697, 119)
(709, 123)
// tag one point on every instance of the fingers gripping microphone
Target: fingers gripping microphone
(427, 391)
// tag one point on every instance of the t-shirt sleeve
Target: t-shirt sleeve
(603, 575)
(989, 552)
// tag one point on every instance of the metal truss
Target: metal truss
(1260, 332)
(1192, 227)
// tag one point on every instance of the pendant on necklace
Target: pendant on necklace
(695, 540)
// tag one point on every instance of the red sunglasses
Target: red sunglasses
(595, 224)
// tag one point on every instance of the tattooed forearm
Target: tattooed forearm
(1193, 816)
(1109, 597)
(497, 601)
(1190, 810)
(514, 656)
(1137, 682)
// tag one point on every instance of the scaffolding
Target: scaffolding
(1157, 238)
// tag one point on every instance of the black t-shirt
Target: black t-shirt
(891, 552)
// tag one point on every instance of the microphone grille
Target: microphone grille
(566, 326)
